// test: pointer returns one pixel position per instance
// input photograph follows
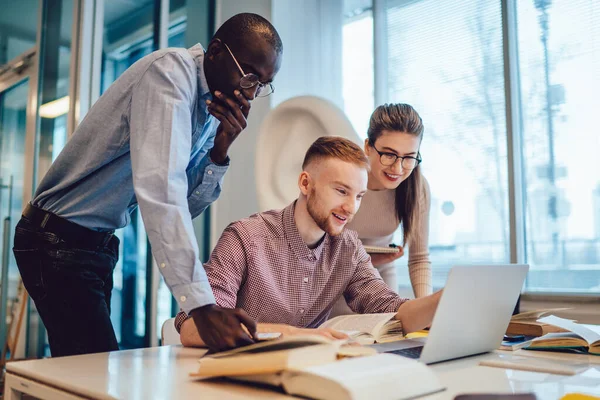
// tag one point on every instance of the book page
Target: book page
(368, 323)
(385, 376)
(275, 379)
(587, 334)
(554, 336)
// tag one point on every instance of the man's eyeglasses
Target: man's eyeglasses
(250, 80)
(408, 163)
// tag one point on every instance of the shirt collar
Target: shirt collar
(197, 51)
(295, 240)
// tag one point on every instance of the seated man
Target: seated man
(286, 268)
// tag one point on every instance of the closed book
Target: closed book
(531, 328)
(514, 346)
(526, 323)
(381, 376)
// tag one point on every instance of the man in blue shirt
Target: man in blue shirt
(158, 139)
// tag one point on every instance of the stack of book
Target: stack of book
(317, 368)
(550, 333)
(527, 323)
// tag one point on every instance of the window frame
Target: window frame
(514, 132)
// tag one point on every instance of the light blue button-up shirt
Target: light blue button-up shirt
(146, 142)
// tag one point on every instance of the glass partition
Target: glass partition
(128, 36)
(13, 117)
(55, 62)
(53, 105)
(18, 28)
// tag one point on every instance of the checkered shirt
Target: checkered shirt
(262, 265)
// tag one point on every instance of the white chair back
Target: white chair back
(285, 134)
(169, 334)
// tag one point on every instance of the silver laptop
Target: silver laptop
(472, 315)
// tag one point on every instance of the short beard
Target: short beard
(322, 221)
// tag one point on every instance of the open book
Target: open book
(382, 376)
(528, 323)
(578, 338)
(367, 328)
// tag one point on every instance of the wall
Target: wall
(312, 43)
(238, 198)
(311, 31)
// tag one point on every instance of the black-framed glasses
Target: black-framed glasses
(250, 80)
(408, 163)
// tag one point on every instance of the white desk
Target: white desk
(162, 373)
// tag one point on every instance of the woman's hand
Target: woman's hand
(381, 259)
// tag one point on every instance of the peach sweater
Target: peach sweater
(376, 223)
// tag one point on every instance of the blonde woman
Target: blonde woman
(398, 195)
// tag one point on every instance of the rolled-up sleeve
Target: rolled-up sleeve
(161, 131)
(207, 180)
(367, 292)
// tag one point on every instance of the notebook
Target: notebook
(381, 250)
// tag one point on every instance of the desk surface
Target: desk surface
(162, 372)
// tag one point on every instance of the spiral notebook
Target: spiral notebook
(381, 250)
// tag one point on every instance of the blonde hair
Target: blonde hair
(336, 147)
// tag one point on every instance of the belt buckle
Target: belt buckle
(45, 220)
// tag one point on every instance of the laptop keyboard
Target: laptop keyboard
(411, 352)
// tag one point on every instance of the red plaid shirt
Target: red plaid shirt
(262, 265)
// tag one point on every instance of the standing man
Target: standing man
(157, 138)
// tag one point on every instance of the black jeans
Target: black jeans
(70, 282)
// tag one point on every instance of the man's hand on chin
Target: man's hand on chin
(232, 114)
(223, 328)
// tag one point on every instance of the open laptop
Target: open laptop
(472, 315)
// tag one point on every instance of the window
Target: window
(457, 86)
(559, 63)
(129, 37)
(128, 30)
(447, 60)
(357, 59)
